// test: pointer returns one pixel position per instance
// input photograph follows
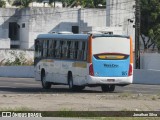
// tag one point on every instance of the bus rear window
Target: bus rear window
(111, 56)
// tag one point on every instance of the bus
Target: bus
(80, 60)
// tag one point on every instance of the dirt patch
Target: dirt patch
(81, 102)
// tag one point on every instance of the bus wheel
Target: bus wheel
(79, 88)
(108, 88)
(105, 88)
(45, 84)
(70, 82)
(111, 88)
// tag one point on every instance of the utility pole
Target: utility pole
(137, 34)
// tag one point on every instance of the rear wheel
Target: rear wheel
(45, 84)
(70, 82)
(73, 87)
(108, 88)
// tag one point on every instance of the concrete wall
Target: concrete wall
(4, 43)
(17, 71)
(150, 77)
(150, 61)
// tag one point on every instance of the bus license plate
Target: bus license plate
(110, 80)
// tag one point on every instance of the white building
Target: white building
(121, 13)
(23, 25)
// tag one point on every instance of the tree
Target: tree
(2, 3)
(22, 3)
(150, 23)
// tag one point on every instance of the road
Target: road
(30, 86)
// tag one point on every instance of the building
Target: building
(23, 25)
(121, 13)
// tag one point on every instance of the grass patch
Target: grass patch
(124, 95)
(125, 118)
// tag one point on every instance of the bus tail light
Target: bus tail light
(130, 70)
(91, 71)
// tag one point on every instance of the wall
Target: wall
(4, 43)
(150, 61)
(17, 71)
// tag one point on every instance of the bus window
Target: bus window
(64, 50)
(76, 50)
(72, 50)
(84, 50)
(38, 48)
(45, 46)
(57, 50)
(50, 48)
(68, 49)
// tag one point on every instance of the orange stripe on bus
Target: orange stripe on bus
(90, 49)
(131, 51)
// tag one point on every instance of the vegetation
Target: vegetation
(2, 3)
(16, 59)
(22, 3)
(150, 23)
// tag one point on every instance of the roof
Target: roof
(75, 36)
(63, 36)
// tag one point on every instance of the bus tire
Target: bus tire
(70, 82)
(105, 88)
(45, 84)
(108, 88)
(111, 88)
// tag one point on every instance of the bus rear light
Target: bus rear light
(91, 71)
(130, 70)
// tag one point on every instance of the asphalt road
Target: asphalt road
(30, 86)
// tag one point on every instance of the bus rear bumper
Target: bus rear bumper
(109, 80)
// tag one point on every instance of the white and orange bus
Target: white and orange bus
(80, 60)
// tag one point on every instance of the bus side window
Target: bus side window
(57, 49)
(84, 49)
(76, 50)
(72, 50)
(37, 49)
(54, 48)
(68, 49)
(50, 48)
(45, 43)
(64, 50)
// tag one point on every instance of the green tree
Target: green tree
(22, 3)
(2, 3)
(150, 23)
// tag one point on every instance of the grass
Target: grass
(124, 95)
(125, 118)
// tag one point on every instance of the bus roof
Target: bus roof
(110, 35)
(75, 36)
(63, 36)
